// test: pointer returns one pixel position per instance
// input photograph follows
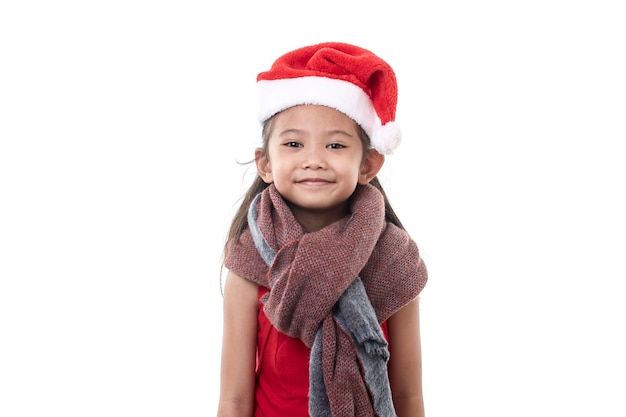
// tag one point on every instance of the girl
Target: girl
(320, 300)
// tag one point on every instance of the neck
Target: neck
(314, 220)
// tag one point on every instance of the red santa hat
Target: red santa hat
(342, 76)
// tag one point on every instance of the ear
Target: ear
(371, 165)
(263, 166)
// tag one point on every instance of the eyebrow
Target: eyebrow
(290, 131)
(329, 132)
(339, 132)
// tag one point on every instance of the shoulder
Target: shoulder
(243, 259)
(238, 290)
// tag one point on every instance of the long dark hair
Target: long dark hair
(240, 219)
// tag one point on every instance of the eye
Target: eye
(292, 144)
(336, 146)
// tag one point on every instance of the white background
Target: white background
(122, 124)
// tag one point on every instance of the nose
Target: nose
(313, 158)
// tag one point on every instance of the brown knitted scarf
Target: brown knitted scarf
(311, 271)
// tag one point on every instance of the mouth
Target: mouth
(313, 181)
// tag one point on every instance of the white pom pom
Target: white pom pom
(385, 139)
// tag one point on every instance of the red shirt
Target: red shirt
(282, 371)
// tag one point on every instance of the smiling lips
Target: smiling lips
(313, 181)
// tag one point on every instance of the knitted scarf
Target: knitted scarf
(308, 274)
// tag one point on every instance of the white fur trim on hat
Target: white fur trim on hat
(385, 139)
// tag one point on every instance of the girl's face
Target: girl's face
(315, 159)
